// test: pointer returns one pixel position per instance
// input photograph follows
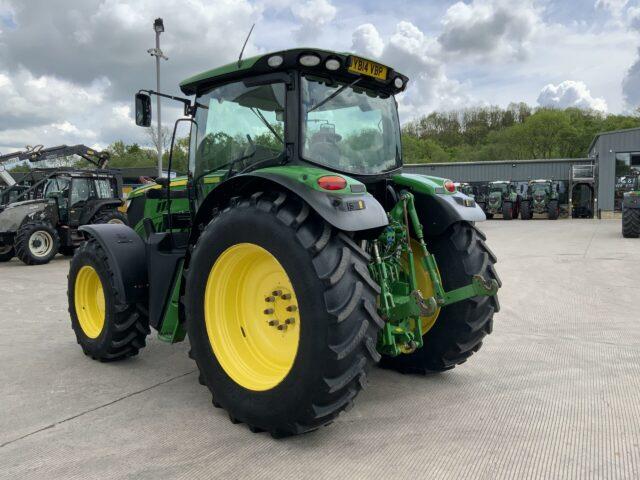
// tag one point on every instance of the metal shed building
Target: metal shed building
(576, 177)
(616, 153)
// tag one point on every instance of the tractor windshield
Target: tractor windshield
(536, 187)
(499, 187)
(348, 128)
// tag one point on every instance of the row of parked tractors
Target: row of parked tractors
(502, 198)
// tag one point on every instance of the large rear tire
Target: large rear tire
(631, 223)
(106, 327)
(458, 332)
(274, 257)
(36, 243)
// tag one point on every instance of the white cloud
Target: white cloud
(570, 93)
(312, 15)
(409, 51)
(614, 6)
(493, 29)
(367, 41)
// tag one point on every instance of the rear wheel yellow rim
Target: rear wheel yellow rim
(89, 301)
(251, 316)
(424, 284)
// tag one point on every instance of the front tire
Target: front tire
(460, 328)
(110, 216)
(336, 322)
(553, 210)
(106, 327)
(508, 211)
(631, 223)
(7, 252)
(525, 211)
(36, 243)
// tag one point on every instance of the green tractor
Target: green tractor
(631, 210)
(466, 188)
(502, 199)
(295, 253)
(542, 198)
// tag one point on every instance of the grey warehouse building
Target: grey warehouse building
(598, 180)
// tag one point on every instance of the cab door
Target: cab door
(81, 193)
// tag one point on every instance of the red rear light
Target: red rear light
(332, 182)
(450, 186)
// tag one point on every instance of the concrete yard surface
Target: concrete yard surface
(553, 393)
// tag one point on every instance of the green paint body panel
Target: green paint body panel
(309, 176)
(172, 330)
(422, 183)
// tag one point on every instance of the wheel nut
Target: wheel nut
(270, 299)
(286, 296)
(268, 311)
(292, 308)
(273, 323)
(276, 293)
(289, 321)
(282, 327)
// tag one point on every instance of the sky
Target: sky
(69, 68)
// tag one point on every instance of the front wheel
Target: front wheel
(281, 315)
(508, 211)
(106, 327)
(460, 328)
(553, 210)
(110, 216)
(631, 223)
(36, 243)
(6, 253)
(525, 211)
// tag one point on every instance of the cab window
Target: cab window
(238, 126)
(80, 191)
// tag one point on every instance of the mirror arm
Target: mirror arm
(189, 109)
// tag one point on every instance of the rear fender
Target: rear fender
(127, 257)
(438, 208)
(352, 210)
(97, 205)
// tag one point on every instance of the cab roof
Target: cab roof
(259, 64)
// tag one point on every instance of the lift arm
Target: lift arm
(39, 154)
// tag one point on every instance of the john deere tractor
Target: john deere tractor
(502, 199)
(631, 209)
(296, 253)
(542, 198)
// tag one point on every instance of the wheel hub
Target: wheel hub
(252, 317)
(40, 243)
(89, 301)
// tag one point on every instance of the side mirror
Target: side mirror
(143, 110)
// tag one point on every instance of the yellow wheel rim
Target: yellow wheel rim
(424, 284)
(252, 318)
(89, 301)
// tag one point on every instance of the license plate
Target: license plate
(367, 67)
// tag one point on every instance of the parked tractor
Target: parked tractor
(296, 253)
(41, 214)
(631, 210)
(465, 188)
(542, 198)
(502, 199)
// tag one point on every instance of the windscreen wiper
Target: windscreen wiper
(258, 114)
(334, 94)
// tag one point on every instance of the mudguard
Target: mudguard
(127, 258)
(351, 209)
(437, 207)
